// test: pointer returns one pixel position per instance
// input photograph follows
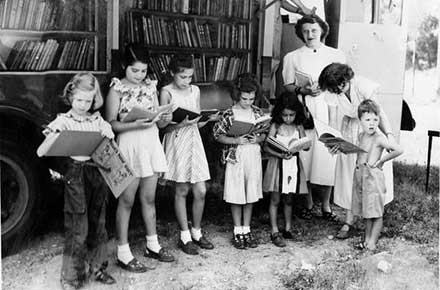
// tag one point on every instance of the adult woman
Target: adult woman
(310, 59)
(344, 93)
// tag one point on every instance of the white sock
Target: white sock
(238, 230)
(246, 229)
(185, 236)
(153, 243)
(196, 234)
(124, 253)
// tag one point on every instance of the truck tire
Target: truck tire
(20, 193)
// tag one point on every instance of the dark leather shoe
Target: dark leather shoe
(278, 240)
(103, 277)
(238, 241)
(189, 248)
(204, 243)
(250, 240)
(163, 255)
(133, 266)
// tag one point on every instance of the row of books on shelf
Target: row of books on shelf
(218, 8)
(153, 30)
(207, 68)
(47, 15)
(34, 55)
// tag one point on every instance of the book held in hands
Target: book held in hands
(179, 114)
(137, 113)
(332, 137)
(103, 151)
(295, 145)
(242, 128)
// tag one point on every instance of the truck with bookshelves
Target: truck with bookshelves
(43, 43)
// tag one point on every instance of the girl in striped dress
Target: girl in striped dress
(187, 163)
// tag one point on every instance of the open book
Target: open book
(295, 145)
(180, 114)
(137, 113)
(242, 128)
(104, 152)
(331, 137)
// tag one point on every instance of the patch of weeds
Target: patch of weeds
(330, 276)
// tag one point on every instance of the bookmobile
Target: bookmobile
(43, 43)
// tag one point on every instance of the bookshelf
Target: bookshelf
(52, 36)
(217, 33)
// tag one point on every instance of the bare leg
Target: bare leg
(349, 219)
(309, 197)
(375, 232)
(247, 214)
(368, 229)
(199, 193)
(288, 211)
(273, 210)
(123, 211)
(326, 192)
(236, 210)
(147, 196)
(180, 205)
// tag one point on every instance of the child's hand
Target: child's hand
(166, 116)
(144, 123)
(252, 138)
(286, 155)
(242, 140)
(214, 117)
(107, 132)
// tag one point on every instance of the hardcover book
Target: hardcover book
(137, 113)
(295, 145)
(331, 137)
(242, 128)
(103, 151)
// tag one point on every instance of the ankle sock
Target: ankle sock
(153, 243)
(185, 236)
(124, 253)
(246, 229)
(238, 230)
(196, 234)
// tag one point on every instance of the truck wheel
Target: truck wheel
(20, 194)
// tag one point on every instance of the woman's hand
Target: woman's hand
(378, 164)
(333, 149)
(310, 90)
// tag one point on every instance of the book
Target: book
(295, 145)
(179, 114)
(137, 113)
(242, 128)
(302, 79)
(103, 151)
(331, 137)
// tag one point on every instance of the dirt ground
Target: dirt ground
(314, 254)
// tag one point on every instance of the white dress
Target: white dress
(243, 179)
(140, 147)
(319, 164)
(184, 147)
(348, 123)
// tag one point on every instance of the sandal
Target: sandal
(344, 234)
(103, 277)
(133, 266)
(329, 216)
(361, 246)
(306, 213)
(163, 255)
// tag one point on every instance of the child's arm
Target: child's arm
(302, 134)
(112, 109)
(393, 150)
(106, 129)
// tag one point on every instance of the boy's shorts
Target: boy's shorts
(368, 191)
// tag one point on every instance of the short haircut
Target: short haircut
(311, 19)
(334, 75)
(368, 106)
(180, 62)
(247, 83)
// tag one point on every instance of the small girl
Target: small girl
(139, 143)
(242, 155)
(188, 166)
(85, 192)
(284, 172)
